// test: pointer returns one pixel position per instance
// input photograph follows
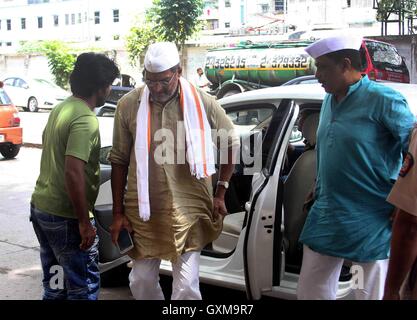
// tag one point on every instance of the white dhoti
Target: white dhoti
(144, 278)
(319, 277)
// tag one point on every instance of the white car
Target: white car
(33, 93)
(258, 250)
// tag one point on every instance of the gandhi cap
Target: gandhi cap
(161, 56)
(332, 44)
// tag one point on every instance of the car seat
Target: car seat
(297, 185)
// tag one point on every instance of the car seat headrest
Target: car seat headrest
(310, 126)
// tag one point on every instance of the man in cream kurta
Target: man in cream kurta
(184, 215)
(403, 258)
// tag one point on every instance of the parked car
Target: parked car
(33, 94)
(121, 85)
(382, 62)
(258, 250)
(106, 110)
(10, 130)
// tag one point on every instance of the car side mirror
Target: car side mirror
(25, 86)
(104, 155)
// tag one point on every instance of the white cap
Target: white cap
(332, 44)
(161, 56)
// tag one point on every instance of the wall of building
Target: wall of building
(194, 58)
(359, 14)
(24, 65)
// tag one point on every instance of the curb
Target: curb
(32, 145)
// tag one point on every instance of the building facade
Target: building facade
(239, 17)
(307, 14)
(236, 17)
(102, 24)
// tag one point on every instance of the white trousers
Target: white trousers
(144, 278)
(319, 277)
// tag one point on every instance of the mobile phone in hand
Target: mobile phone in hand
(124, 242)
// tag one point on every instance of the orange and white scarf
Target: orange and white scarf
(200, 153)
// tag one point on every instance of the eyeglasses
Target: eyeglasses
(163, 83)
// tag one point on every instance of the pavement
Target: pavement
(20, 268)
(20, 271)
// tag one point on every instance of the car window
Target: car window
(4, 98)
(128, 81)
(296, 35)
(383, 55)
(9, 81)
(21, 83)
(124, 80)
(117, 82)
(250, 117)
(364, 62)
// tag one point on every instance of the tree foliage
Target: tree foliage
(176, 20)
(61, 58)
(167, 20)
(138, 40)
(386, 7)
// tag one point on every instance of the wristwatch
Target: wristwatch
(225, 184)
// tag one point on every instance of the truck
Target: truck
(249, 66)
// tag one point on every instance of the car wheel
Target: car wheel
(9, 151)
(33, 104)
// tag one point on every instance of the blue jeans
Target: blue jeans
(68, 272)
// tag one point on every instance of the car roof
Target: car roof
(298, 92)
(309, 93)
(379, 41)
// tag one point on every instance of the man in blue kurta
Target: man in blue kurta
(364, 127)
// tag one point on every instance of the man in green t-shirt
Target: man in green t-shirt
(67, 187)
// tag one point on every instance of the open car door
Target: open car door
(109, 255)
(263, 252)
